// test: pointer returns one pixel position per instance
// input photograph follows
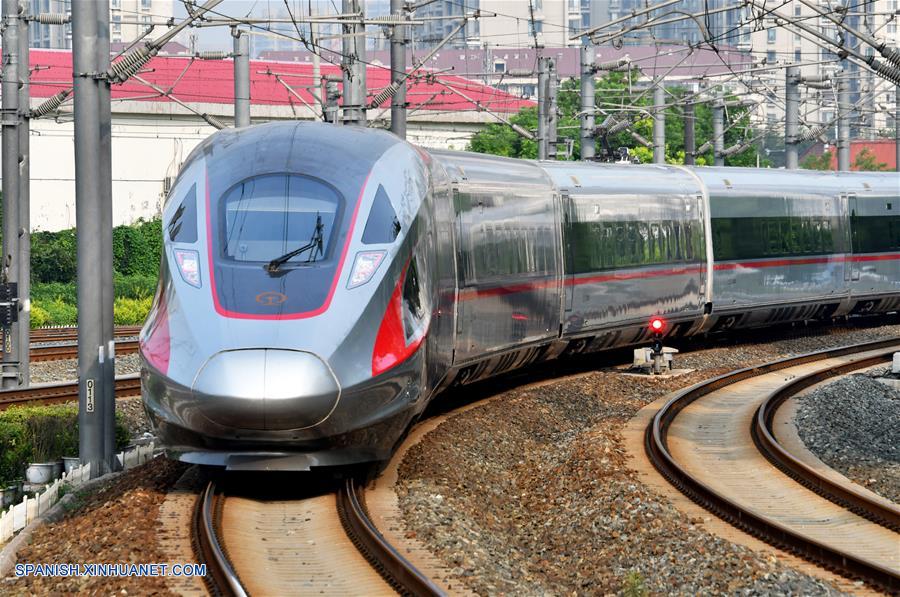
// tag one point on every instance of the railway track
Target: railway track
(57, 352)
(323, 543)
(70, 334)
(55, 393)
(715, 442)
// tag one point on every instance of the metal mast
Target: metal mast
(107, 395)
(354, 66)
(588, 148)
(543, 90)
(24, 290)
(659, 124)
(791, 116)
(843, 140)
(690, 139)
(10, 171)
(241, 78)
(398, 71)
(718, 113)
(93, 376)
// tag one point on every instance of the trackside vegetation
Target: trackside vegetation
(41, 434)
(54, 263)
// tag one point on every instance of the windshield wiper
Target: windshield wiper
(314, 243)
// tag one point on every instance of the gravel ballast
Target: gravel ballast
(110, 524)
(531, 492)
(853, 425)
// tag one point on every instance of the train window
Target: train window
(382, 227)
(183, 225)
(413, 308)
(268, 216)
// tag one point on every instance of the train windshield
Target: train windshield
(274, 216)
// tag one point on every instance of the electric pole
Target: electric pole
(690, 140)
(588, 149)
(398, 71)
(90, 218)
(24, 289)
(543, 90)
(718, 113)
(353, 65)
(106, 396)
(791, 116)
(9, 304)
(843, 140)
(241, 78)
(659, 124)
(552, 109)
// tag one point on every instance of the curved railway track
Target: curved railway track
(714, 442)
(301, 548)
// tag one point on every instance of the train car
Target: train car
(321, 284)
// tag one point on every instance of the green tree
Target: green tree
(817, 162)
(866, 161)
(613, 97)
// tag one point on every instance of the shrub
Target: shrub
(46, 292)
(54, 256)
(41, 433)
(135, 287)
(60, 312)
(132, 311)
(39, 316)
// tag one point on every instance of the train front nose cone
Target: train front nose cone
(266, 389)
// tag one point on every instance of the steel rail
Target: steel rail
(54, 393)
(221, 578)
(656, 446)
(383, 556)
(70, 334)
(880, 512)
(58, 352)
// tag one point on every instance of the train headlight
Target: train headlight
(189, 265)
(364, 267)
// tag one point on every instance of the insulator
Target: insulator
(887, 71)
(813, 133)
(703, 148)
(619, 127)
(817, 85)
(522, 131)
(612, 64)
(49, 18)
(640, 139)
(214, 122)
(892, 55)
(734, 149)
(386, 20)
(383, 95)
(213, 55)
(607, 122)
(51, 104)
(121, 71)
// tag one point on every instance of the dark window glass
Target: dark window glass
(413, 310)
(776, 236)
(183, 225)
(382, 225)
(268, 216)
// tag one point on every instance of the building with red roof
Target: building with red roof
(157, 122)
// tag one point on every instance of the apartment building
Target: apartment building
(127, 18)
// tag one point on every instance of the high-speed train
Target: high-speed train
(320, 284)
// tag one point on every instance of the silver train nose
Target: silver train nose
(266, 389)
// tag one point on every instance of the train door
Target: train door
(707, 260)
(851, 267)
(565, 207)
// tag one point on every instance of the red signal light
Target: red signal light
(657, 324)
